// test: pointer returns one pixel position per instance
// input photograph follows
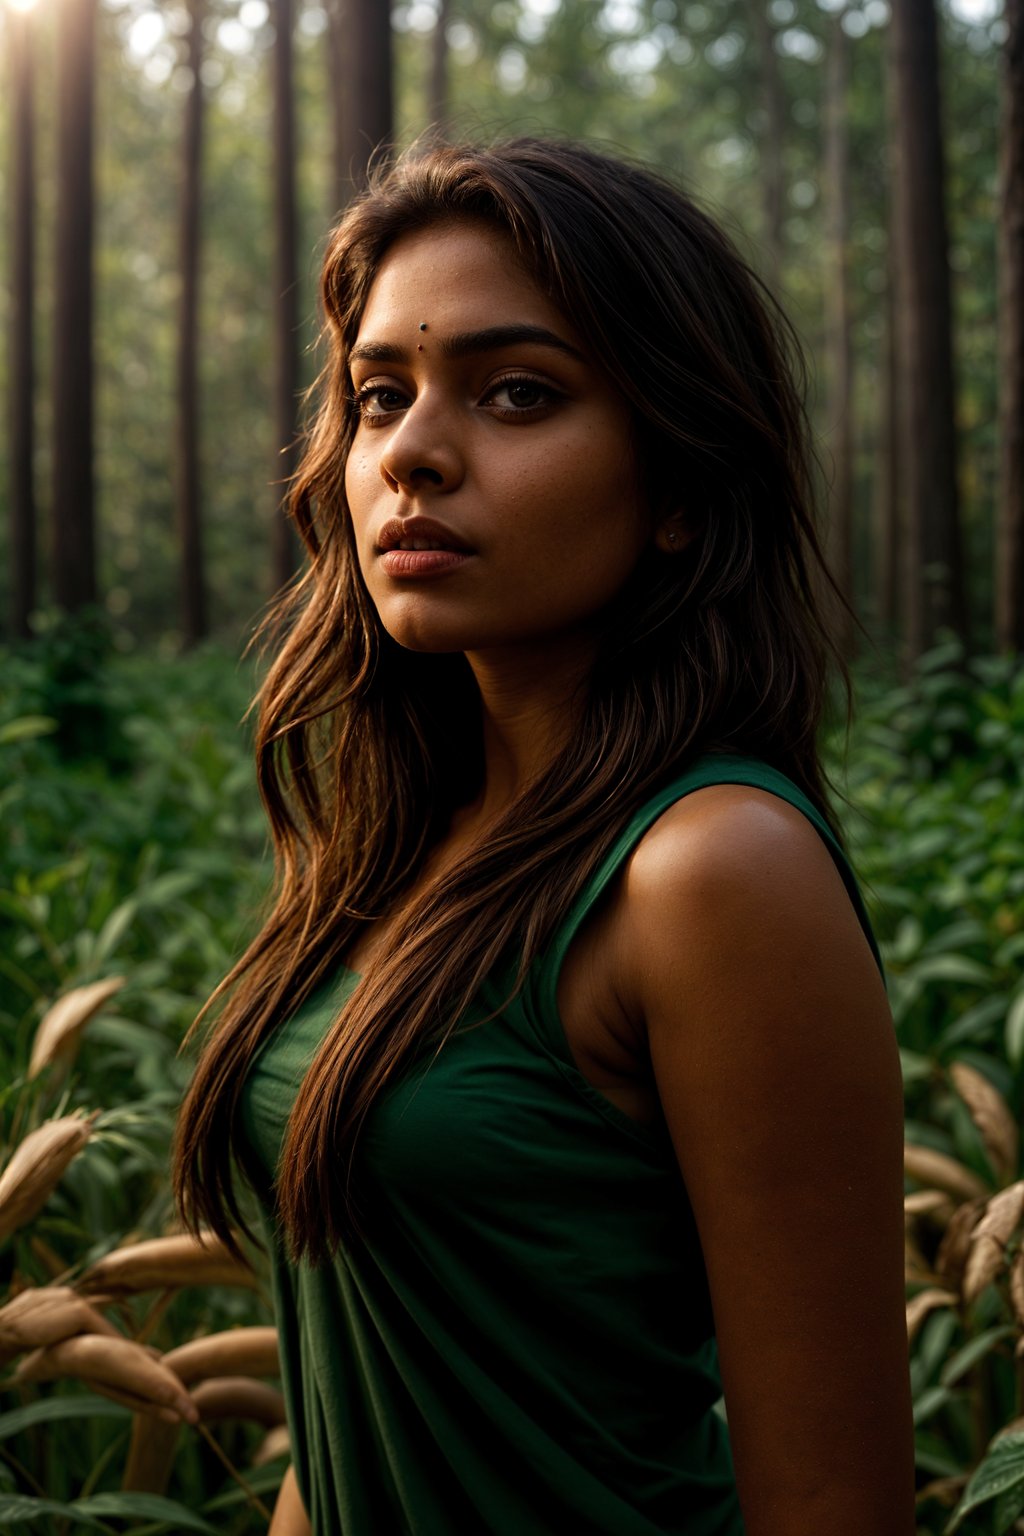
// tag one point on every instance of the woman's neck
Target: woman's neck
(529, 704)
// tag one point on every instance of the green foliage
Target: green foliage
(935, 820)
(152, 865)
(938, 839)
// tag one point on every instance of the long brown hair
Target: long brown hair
(365, 749)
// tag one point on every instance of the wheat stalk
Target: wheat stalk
(166, 1263)
(44, 1315)
(37, 1165)
(57, 1037)
(234, 1352)
(119, 1368)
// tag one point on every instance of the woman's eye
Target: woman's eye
(378, 400)
(517, 396)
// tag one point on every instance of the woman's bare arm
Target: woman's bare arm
(776, 1063)
(290, 1518)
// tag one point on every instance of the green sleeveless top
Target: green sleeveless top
(523, 1340)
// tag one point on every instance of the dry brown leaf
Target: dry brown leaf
(1002, 1214)
(919, 1306)
(990, 1112)
(120, 1368)
(987, 1254)
(276, 1442)
(37, 1165)
(57, 1037)
(235, 1352)
(45, 1315)
(956, 1243)
(985, 1261)
(933, 1205)
(166, 1263)
(936, 1170)
(1017, 1287)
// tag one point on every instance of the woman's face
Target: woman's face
(491, 482)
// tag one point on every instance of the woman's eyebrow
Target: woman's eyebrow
(466, 343)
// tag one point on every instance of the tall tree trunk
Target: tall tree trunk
(74, 539)
(1009, 544)
(359, 68)
(935, 596)
(837, 324)
(22, 378)
(773, 188)
(193, 596)
(285, 278)
(367, 78)
(886, 539)
(336, 88)
(437, 83)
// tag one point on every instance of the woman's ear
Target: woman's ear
(673, 533)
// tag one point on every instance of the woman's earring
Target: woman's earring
(672, 538)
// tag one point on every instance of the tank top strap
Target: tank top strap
(716, 768)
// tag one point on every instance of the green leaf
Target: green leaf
(1008, 1507)
(976, 1022)
(262, 1479)
(1001, 1470)
(1015, 1030)
(932, 1455)
(931, 1401)
(113, 930)
(955, 968)
(974, 1350)
(19, 1509)
(145, 1506)
(26, 728)
(915, 1067)
(49, 1409)
(955, 935)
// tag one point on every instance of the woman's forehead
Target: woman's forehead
(460, 275)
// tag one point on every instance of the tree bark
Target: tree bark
(1009, 543)
(437, 83)
(773, 189)
(285, 280)
(22, 379)
(336, 88)
(74, 538)
(886, 519)
(359, 68)
(193, 595)
(935, 596)
(367, 94)
(837, 325)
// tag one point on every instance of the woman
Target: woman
(562, 1065)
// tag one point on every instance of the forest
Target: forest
(171, 170)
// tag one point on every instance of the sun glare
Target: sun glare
(21, 5)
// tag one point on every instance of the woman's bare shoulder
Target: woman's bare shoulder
(734, 866)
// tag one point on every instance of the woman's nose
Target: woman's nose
(420, 454)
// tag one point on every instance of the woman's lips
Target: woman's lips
(403, 564)
(418, 546)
